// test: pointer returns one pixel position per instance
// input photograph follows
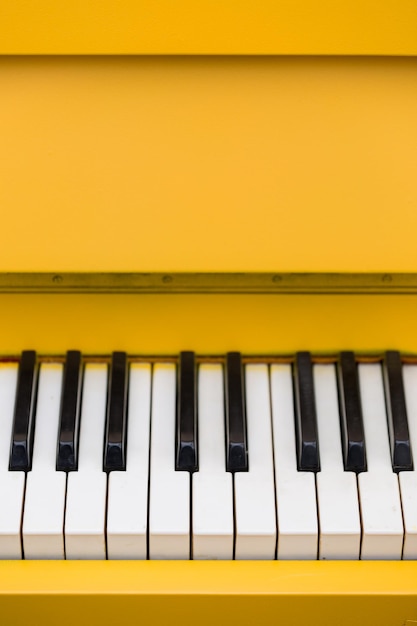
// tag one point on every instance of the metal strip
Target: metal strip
(209, 283)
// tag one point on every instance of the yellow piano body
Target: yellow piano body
(208, 176)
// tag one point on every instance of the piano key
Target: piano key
(116, 420)
(212, 501)
(67, 457)
(23, 423)
(382, 526)
(255, 516)
(43, 518)
(337, 493)
(127, 507)
(186, 438)
(306, 421)
(169, 497)
(86, 488)
(236, 444)
(12, 484)
(353, 438)
(408, 480)
(397, 413)
(295, 491)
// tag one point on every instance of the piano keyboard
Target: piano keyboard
(208, 459)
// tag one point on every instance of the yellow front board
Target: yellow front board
(205, 593)
(208, 27)
(208, 164)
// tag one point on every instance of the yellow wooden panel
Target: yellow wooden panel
(207, 27)
(208, 324)
(241, 593)
(208, 164)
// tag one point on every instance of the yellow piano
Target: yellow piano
(216, 177)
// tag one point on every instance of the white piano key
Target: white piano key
(295, 491)
(255, 515)
(127, 500)
(86, 488)
(382, 526)
(337, 493)
(169, 497)
(408, 480)
(12, 484)
(213, 531)
(43, 519)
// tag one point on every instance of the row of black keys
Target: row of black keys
(186, 444)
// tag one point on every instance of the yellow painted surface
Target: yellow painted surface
(208, 164)
(208, 27)
(293, 593)
(208, 324)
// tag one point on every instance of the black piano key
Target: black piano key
(116, 419)
(236, 442)
(24, 414)
(397, 413)
(306, 419)
(351, 420)
(68, 431)
(186, 458)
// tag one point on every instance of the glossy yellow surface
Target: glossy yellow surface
(208, 324)
(207, 27)
(208, 164)
(290, 593)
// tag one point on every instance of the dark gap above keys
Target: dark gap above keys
(186, 452)
(69, 420)
(305, 410)
(116, 418)
(399, 435)
(24, 413)
(350, 410)
(236, 432)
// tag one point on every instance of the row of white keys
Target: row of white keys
(212, 501)
(12, 484)
(255, 515)
(295, 491)
(337, 493)
(382, 526)
(127, 503)
(212, 513)
(408, 480)
(43, 519)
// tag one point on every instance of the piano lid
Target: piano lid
(367, 27)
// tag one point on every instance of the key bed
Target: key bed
(153, 479)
